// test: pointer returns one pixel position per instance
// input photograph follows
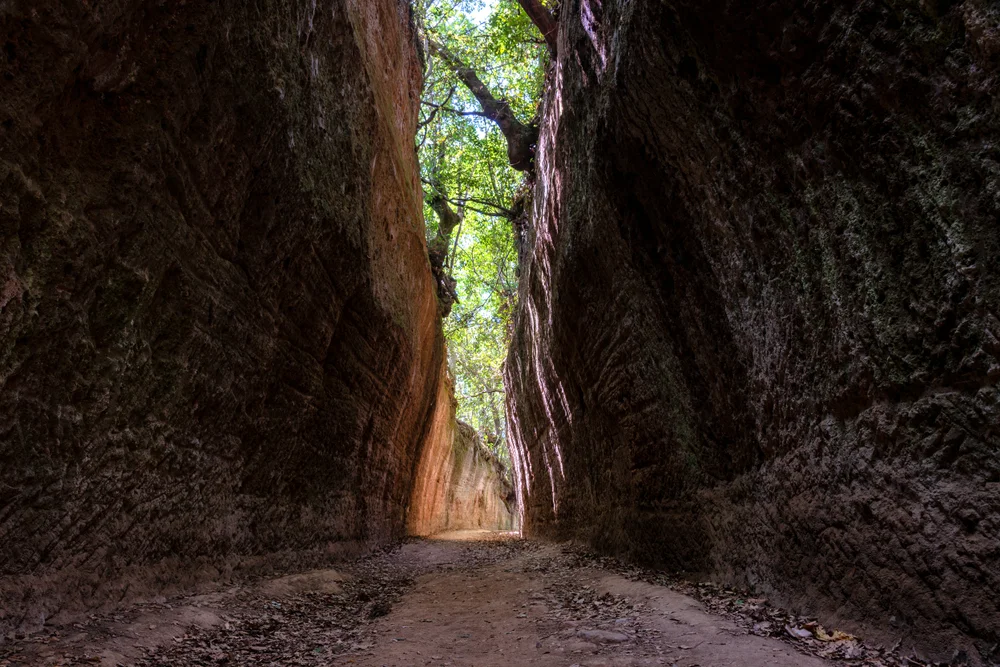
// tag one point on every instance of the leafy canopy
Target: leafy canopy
(465, 156)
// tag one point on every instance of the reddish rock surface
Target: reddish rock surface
(459, 484)
(757, 334)
(218, 335)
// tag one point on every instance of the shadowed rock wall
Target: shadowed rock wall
(758, 323)
(459, 484)
(218, 332)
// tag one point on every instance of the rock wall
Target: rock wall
(218, 336)
(459, 483)
(758, 324)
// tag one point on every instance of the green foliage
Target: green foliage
(467, 156)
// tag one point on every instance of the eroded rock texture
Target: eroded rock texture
(758, 325)
(218, 331)
(459, 484)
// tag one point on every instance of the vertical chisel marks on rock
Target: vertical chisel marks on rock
(218, 333)
(763, 309)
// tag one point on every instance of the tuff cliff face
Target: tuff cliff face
(218, 335)
(757, 333)
(459, 484)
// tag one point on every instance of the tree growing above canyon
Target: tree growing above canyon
(476, 136)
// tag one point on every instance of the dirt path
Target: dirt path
(536, 609)
(463, 599)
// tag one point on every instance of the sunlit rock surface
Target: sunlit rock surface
(459, 483)
(758, 331)
(218, 336)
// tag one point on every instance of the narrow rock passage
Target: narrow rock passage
(464, 598)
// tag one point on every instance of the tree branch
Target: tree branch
(520, 138)
(484, 393)
(441, 107)
(504, 212)
(543, 20)
(437, 107)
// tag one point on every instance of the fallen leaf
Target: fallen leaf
(798, 633)
(837, 635)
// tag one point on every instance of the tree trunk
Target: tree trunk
(495, 413)
(448, 220)
(437, 250)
